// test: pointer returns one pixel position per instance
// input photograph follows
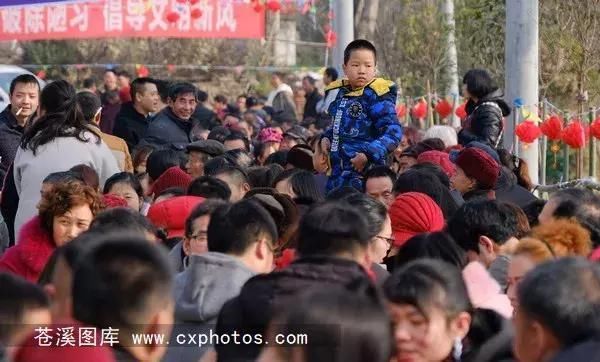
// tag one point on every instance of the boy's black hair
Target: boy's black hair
(139, 85)
(89, 103)
(210, 188)
(160, 161)
(118, 282)
(332, 73)
(208, 207)
(357, 45)
(234, 228)
(237, 135)
(17, 298)
(563, 295)
(23, 79)
(479, 83)
(202, 96)
(178, 89)
(482, 218)
(380, 171)
(220, 98)
(89, 82)
(121, 220)
(332, 228)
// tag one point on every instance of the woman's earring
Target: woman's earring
(457, 350)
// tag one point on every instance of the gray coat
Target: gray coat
(201, 290)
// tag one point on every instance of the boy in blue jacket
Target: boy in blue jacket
(365, 128)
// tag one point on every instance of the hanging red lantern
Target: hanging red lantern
(419, 110)
(595, 128)
(194, 2)
(170, 68)
(274, 5)
(143, 71)
(257, 6)
(552, 127)
(41, 74)
(443, 108)
(173, 17)
(461, 111)
(331, 38)
(196, 14)
(528, 131)
(401, 110)
(574, 134)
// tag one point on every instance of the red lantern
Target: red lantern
(419, 110)
(574, 134)
(170, 68)
(528, 131)
(401, 110)
(274, 5)
(143, 71)
(173, 17)
(331, 38)
(41, 74)
(194, 2)
(257, 6)
(182, 1)
(461, 111)
(595, 128)
(552, 127)
(443, 108)
(196, 13)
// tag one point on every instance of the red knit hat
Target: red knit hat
(171, 214)
(414, 213)
(172, 177)
(477, 164)
(439, 158)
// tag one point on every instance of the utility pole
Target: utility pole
(343, 24)
(451, 67)
(522, 70)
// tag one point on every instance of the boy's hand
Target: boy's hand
(359, 161)
(325, 145)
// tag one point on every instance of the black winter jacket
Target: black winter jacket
(484, 120)
(166, 130)
(130, 125)
(252, 310)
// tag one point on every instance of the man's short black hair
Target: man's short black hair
(357, 45)
(219, 133)
(235, 172)
(124, 73)
(23, 79)
(179, 89)
(234, 228)
(89, 103)
(163, 87)
(121, 220)
(139, 85)
(380, 171)
(89, 82)
(208, 207)
(119, 282)
(237, 135)
(482, 218)
(582, 205)
(332, 228)
(202, 96)
(210, 188)
(212, 166)
(17, 298)
(220, 99)
(160, 161)
(479, 83)
(564, 296)
(332, 73)
(310, 80)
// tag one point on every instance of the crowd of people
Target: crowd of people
(150, 209)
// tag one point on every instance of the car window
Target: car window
(5, 79)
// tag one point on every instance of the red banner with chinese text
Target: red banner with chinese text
(133, 18)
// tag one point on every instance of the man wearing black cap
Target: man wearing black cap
(199, 153)
(297, 135)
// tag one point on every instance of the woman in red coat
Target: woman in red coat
(64, 212)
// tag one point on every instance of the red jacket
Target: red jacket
(28, 258)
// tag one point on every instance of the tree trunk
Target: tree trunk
(365, 27)
(451, 67)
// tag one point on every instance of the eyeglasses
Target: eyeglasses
(390, 241)
(199, 235)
